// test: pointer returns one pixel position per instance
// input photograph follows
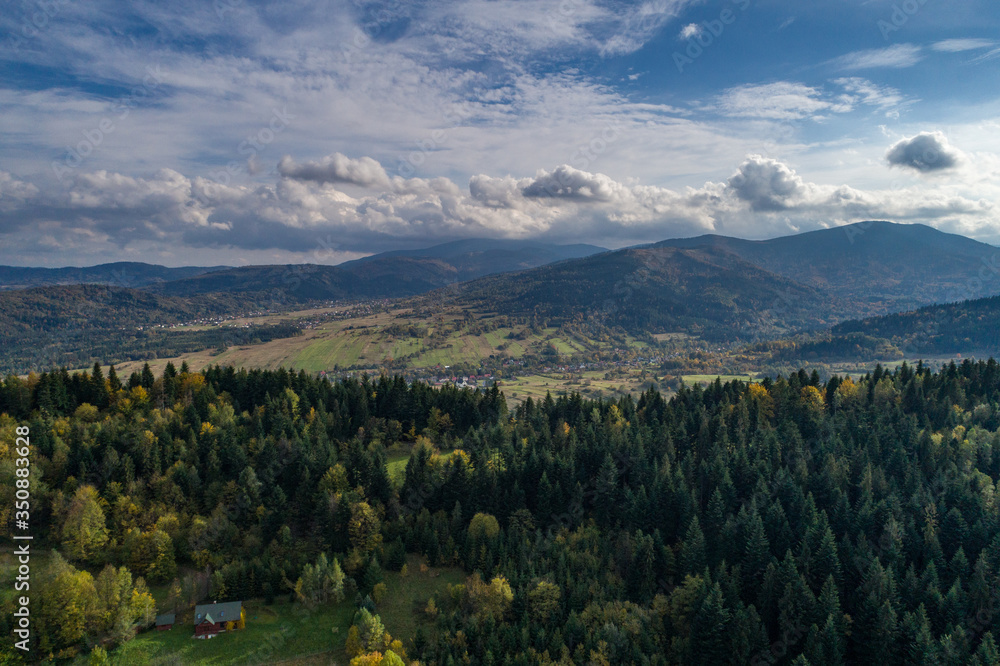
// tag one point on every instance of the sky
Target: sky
(249, 132)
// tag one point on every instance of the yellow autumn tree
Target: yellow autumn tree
(364, 528)
(483, 527)
(353, 646)
(491, 599)
(543, 600)
(812, 399)
(759, 395)
(85, 531)
(846, 394)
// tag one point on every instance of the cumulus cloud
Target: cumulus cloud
(14, 191)
(298, 215)
(336, 168)
(927, 152)
(565, 182)
(766, 184)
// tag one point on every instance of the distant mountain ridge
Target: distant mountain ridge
(127, 274)
(888, 266)
(394, 274)
(475, 258)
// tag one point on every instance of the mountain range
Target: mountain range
(888, 267)
(711, 287)
(119, 274)
(387, 275)
(729, 288)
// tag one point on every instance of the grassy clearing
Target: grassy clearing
(364, 341)
(272, 632)
(286, 633)
(395, 464)
(409, 596)
(708, 379)
(590, 384)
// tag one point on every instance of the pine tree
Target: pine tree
(756, 552)
(692, 554)
(710, 640)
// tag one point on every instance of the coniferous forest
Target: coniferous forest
(785, 522)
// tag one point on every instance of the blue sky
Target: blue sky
(240, 131)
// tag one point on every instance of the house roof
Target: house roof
(167, 618)
(226, 612)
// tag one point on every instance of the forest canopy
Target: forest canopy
(790, 521)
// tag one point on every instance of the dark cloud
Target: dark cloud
(926, 152)
(565, 182)
(336, 168)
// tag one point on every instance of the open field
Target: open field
(398, 339)
(590, 384)
(382, 338)
(281, 628)
(300, 636)
(395, 464)
(708, 379)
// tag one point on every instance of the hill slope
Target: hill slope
(968, 326)
(700, 291)
(890, 267)
(75, 325)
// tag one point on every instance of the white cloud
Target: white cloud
(784, 100)
(872, 94)
(898, 56)
(959, 45)
(476, 90)
(689, 31)
(991, 55)
(640, 23)
(336, 168)
(766, 184)
(296, 215)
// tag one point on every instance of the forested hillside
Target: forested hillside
(75, 325)
(886, 266)
(791, 521)
(968, 326)
(702, 292)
